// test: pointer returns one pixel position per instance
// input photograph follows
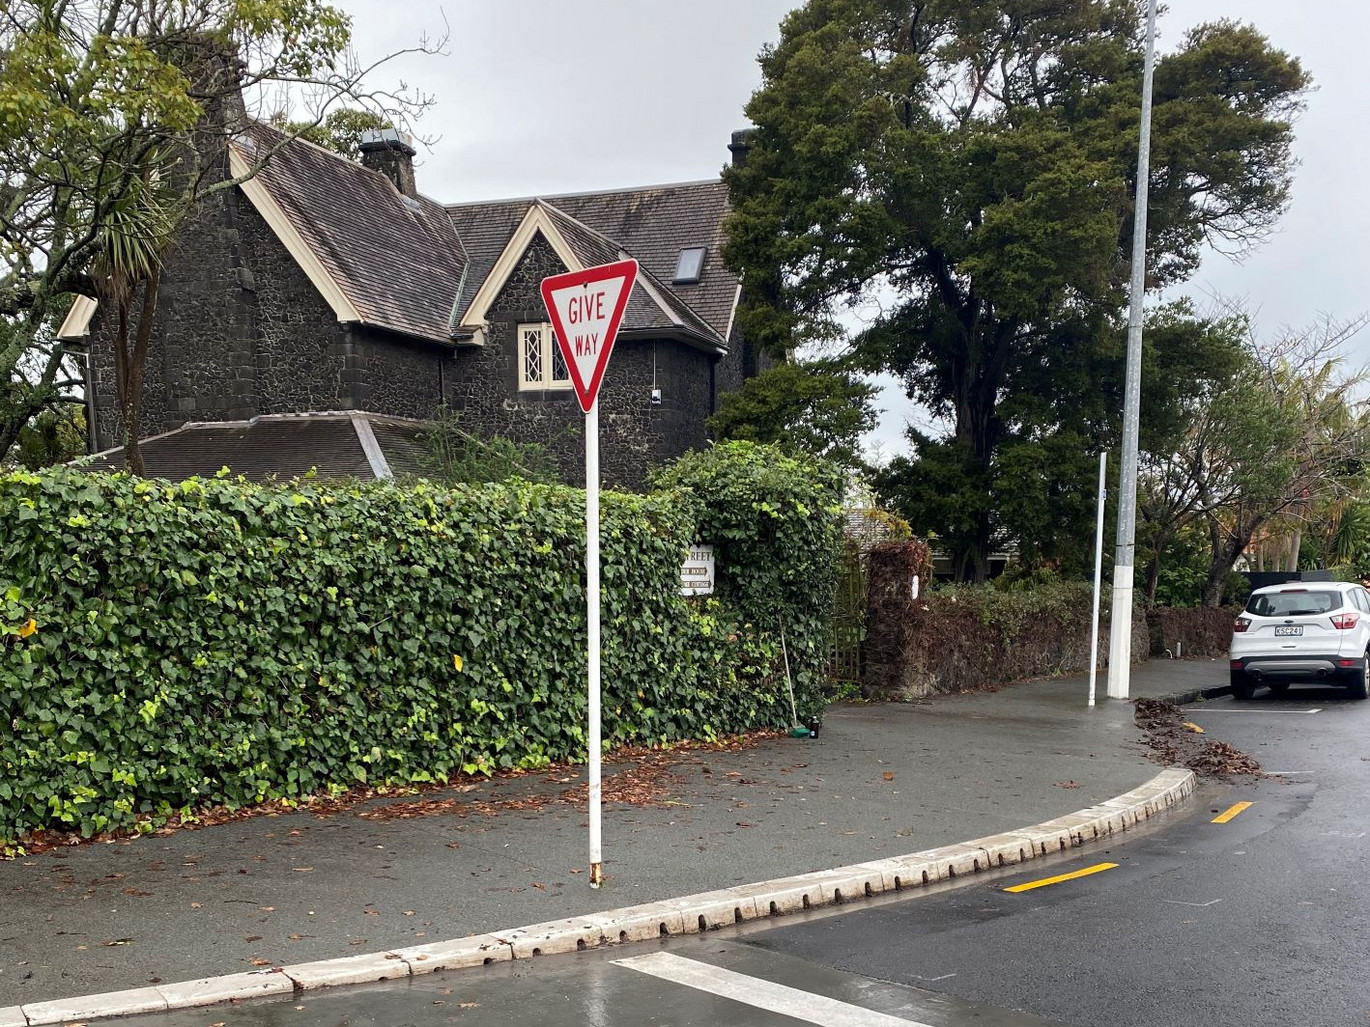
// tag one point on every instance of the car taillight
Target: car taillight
(1345, 621)
(1240, 624)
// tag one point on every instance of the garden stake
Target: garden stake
(797, 730)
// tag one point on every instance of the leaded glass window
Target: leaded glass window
(540, 362)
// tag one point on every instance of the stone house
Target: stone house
(315, 314)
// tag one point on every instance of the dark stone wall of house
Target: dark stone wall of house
(241, 331)
(635, 435)
(199, 364)
(395, 375)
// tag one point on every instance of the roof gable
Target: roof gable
(377, 256)
(652, 307)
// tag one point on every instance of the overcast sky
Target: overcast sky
(548, 96)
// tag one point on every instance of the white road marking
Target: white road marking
(762, 994)
(944, 977)
(1221, 709)
(1353, 835)
(1199, 905)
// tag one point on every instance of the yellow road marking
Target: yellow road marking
(1097, 868)
(1230, 812)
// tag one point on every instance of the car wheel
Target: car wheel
(1360, 688)
(1242, 688)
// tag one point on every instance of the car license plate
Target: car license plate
(1289, 629)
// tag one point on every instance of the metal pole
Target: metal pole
(592, 625)
(1120, 621)
(1098, 577)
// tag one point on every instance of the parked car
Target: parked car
(1303, 632)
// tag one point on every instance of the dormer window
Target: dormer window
(689, 266)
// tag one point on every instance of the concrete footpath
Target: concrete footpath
(880, 781)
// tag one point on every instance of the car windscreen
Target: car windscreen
(1293, 604)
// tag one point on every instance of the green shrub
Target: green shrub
(221, 642)
(773, 520)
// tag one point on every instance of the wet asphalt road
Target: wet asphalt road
(1258, 921)
(1263, 920)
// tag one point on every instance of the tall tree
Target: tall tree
(1288, 437)
(973, 159)
(1189, 362)
(114, 119)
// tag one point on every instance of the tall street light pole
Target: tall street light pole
(1120, 622)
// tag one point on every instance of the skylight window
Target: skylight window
(690, 265)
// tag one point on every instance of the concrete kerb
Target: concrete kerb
(689, 915)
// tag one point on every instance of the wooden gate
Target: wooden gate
(846, 625)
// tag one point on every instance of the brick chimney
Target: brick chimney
(741, 145)
(390, 152)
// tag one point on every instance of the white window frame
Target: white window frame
(541, 335)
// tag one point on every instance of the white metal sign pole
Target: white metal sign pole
(586, 307)
(592, 623)
(1098, 578)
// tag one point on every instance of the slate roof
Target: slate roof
(413, 266)
(644, 311)
(654, 224)
(398, 260)
(281, 446)
(651, 224)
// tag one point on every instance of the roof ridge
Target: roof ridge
(348, 162)
(538, 197)
(582, 225)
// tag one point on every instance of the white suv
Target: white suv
(1312, 632)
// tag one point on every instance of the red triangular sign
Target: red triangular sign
(586, 308)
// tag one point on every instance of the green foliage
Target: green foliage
(114, 122)
(455, 456)
(773, 519)
(52, 437)
(820, 408)
(340, 131)
(970, 164)
(1183, 568)
(170, 646)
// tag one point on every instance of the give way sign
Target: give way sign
(586, 308)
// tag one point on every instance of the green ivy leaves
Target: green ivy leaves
(218, 642)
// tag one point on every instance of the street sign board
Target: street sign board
(697, 574)
(586, 308)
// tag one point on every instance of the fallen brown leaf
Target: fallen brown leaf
(260, 962)
(197, 905)
(888, 775)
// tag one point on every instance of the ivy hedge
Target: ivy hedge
(168, 646)
(962, 637)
